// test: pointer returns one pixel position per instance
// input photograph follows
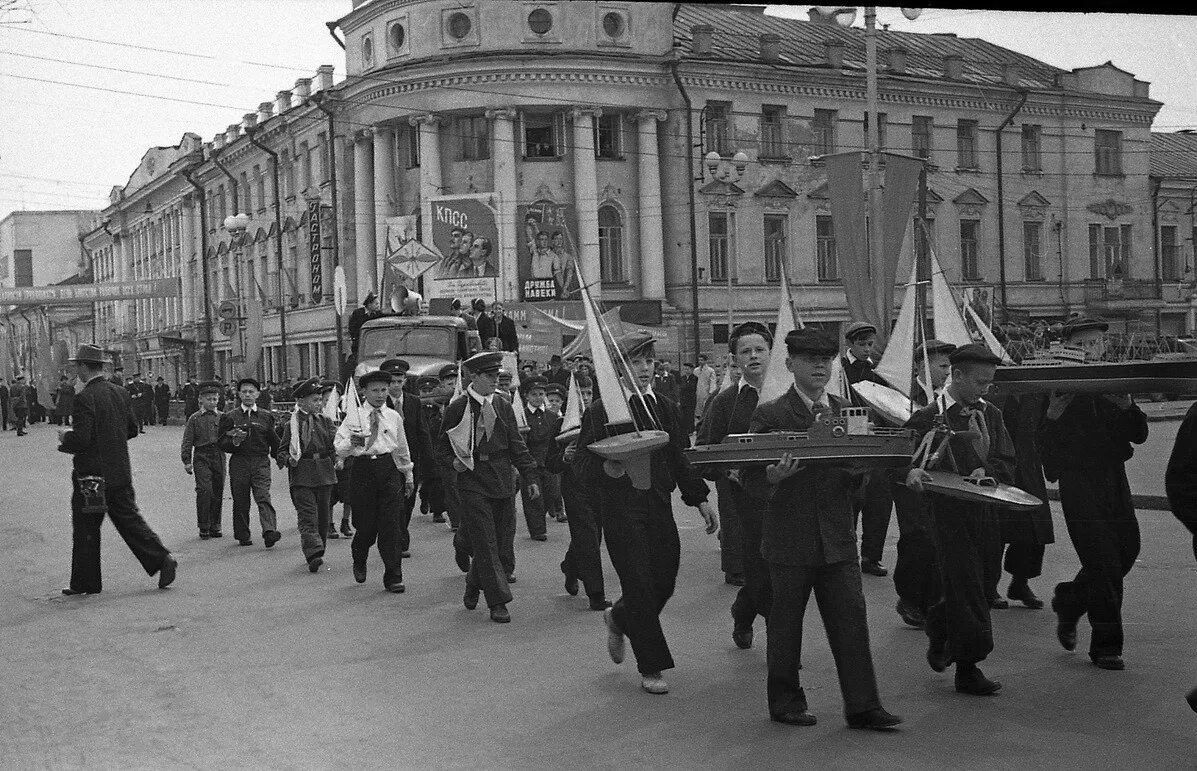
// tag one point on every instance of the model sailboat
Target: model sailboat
(571, 421)
(623, 453)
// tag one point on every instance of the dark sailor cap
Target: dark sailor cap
(974, 352)
(859, 328)
(812, 341)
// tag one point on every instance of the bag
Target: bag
(91, 491)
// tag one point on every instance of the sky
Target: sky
(199, 65)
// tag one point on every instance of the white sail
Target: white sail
(838, 382)
(949, 324)
(987, 335)
(777, 378)
(461, 438)
(897, 363)
(459, 385)
(351, 405)
(604, 367)
(572, 419)
(726, 382)
(511, 364)
(332, 405)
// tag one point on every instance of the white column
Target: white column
(503, 155)
(652, 239)
(384, 192)
(431, 182)
(586, 198)
(121, 271)
(187, 248)
(363, 215)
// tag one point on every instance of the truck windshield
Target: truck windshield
(435, 342)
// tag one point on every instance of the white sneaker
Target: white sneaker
(653, 683)
(615, 638)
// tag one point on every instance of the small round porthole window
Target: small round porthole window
(613, 25)
(398, 36)
(540, 21)
(459, 26)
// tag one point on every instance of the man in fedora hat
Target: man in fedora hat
(102, 424)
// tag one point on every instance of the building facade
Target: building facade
(607, 112)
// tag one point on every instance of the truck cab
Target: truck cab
(427, 343)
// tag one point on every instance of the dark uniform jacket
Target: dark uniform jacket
(317, 457)
(543, 427)
(19, 397)
(202, 432)
(189, 393)
(162, 394)
(64, 399)
(560, 377)
(721, 417)
(855, 372)
(1091, 433)
(808, 520)
(415, 428)
(964, 455)
(433, 415)
(1024, 416)
(494, 458)
(669, 467)
(667, 384)
(261, 427)
(102, 424)
(1180, 481)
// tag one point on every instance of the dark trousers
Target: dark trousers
(873, 506)
(313, 510)
(376, 498)
(583, 559)
(250, 473)
(489, 525)
(731, 533)
(163, 410)
(1022, 560)
(4, 414)
(406, 507)
(19, 418)
(838, 592)
(208, 467)
(960, 617)
(1100, 516)
(550, 491)
(645, 550)
(755, 597)
(534, 508)
(85, 530)
(453, 503)
(916, 572)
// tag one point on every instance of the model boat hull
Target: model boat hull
(953, 485)
(1166, 376)
(630, 454)
(891, 448)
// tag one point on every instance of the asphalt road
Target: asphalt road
(250, 661)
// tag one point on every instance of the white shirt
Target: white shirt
(391, 438)
(249, 410)
(822, 402)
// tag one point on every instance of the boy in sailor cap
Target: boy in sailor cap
(203, 457)
(248, 433)
(306, 449)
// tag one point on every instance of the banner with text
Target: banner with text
(465, 234)
(546, 252)
(85, 294)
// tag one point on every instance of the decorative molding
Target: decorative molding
(657, 115)
(610, 192)
(579, 112)
(971, 203)
(776, 190)
(425, 118)
(623, 80)
(1111, 209)
(501, 113)
(544, 192)
(1034, 199)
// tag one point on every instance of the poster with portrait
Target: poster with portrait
(980, 299)
(546, 251)
(466, 235)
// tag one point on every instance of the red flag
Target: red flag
(845, 191)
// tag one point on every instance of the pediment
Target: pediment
(776, 189)
(719, 187)
(970, 197)
(1033, 199)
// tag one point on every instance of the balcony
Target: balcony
(1123, 294)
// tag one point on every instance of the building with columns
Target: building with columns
(610, 109)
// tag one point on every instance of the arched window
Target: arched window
(610, 226)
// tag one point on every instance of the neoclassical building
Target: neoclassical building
(598, 119)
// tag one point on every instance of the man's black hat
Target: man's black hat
(395, 366)
(376, 376)
(858, 329)
(533, 382)
(209, 387)
(449, 370)
(934, 347)
(974, 352)
(554, 388)
(487, 361)
(749, 328)
(811, 341)
(428, 382)
(242, 382)
(308, 387)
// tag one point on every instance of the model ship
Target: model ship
(1064, 369)
(848, 438)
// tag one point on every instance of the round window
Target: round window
(459, 26)
(613, 25)
(398, 36)
(540, 21)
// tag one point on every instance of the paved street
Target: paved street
(250, 661)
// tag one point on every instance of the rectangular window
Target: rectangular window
(22, 267)
(716, 126)
(721, 242)
(1107, 149)
(824, 127)
(1032, 147)
(543, 135)
(305, 166)
(827, 265)
(1169, 254)
(221, 206)
(1032, 235)
(966, 145)
(776, 228)
(772, 132)
(322, 156)
(413, 145)
(1097, 267)
(287, 173)
(475, 138)
(246, 193)
(921, 128)
(1109, 252)
(610, 232)
(608, 136)
(882, 121)
(1124, 253)
(970, 269)
(260, 185)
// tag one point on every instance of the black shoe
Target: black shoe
(245, 542)
(166, 573)
(332, 532)
(938, 656)
(599, 603)
(910, 614)
(540, 537)
(997, 603)
(571, 585)
(499, 614)
(875, 719)
(314, 564)
(1110, 661)
(1065, 630)
(462, 558)
(470, 599)
(511, 578)
(742, 638)
(406, 554)
(359, 573)
(345, 531)
(873, 568)
(974, 683)
(204, 535)
(396, 588)
(1021, 591)
(733, 579)
(802, 718)
(69, 592)
(215, 534)
(271, 537)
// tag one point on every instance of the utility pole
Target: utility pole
(874, 150)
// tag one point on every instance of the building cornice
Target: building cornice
(471, 80)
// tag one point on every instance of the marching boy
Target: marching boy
(203, 458)
(308, 453)
(248, 434)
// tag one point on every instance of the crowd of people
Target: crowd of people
(788, 528)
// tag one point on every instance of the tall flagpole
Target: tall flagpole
(874, 142)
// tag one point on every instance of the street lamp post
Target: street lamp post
(236, 225)
(730, 172)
